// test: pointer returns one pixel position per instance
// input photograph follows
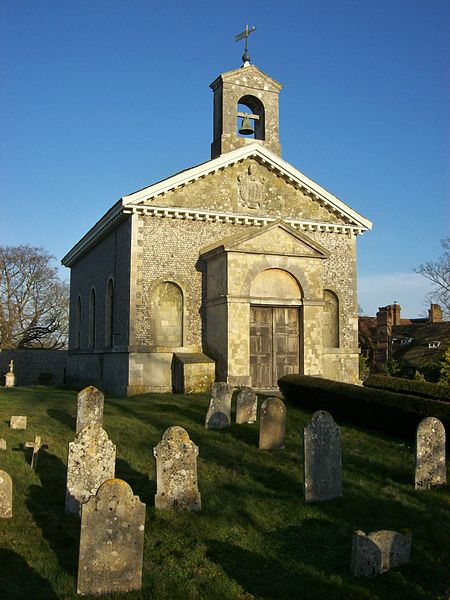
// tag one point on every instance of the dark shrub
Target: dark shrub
(424, 389)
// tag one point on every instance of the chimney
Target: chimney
(435, 313)
(396, 308)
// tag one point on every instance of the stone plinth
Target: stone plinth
(91, 461)
(430, 454)
(193, 372)
(219, 411)
(18, 422)
(5, 495)
(272, 424)
(10, 379)
(322, 458)
(246, 406)
(89, 407)
(176, 471)
(111, 541)
(377, 552)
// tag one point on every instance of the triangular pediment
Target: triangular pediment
(276, 238)
(158, 194)
(243, 74)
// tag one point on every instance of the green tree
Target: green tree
(34, 302)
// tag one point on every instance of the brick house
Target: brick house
(240, 269)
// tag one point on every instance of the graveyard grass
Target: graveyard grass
(254, 538)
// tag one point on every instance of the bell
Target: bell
(246, 127)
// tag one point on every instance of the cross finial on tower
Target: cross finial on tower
(241, 36)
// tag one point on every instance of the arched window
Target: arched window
(251, 108)
(92, 318)
(109, 314)
(77, 336)
(167, 323)
(330, 320)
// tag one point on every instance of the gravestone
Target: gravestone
(430, 454)
(322, 458)
(10, 377)
(91, 461)
(377, 552)
(246, 406)
(36, 445)
(176, 471)
(89, 407)
(18, 422)
(219, 411)
(5, 495)
(111, 541)
(272, 424)
(2, 444)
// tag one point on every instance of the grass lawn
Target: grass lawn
(254, 538)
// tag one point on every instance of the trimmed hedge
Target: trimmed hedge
(424, 389)
(388, 412)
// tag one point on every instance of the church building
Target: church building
(240, 269)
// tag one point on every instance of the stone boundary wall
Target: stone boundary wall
(30, 363)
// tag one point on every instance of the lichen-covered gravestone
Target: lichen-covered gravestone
(377, 552)
(5, 495)
(430, 454)
(91, 461)
(272, 424)
(89, 407)
(322, 458)
(18, 422)
(111, 541)
(176, 471)
(246, 406)
(219, 411)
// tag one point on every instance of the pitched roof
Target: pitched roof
(253, 150)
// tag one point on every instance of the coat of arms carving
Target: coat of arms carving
(251, 189)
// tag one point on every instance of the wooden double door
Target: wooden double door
(274, 344)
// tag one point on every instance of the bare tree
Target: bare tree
(34, 302)
(438, 272)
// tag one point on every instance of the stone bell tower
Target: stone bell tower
(245, 110)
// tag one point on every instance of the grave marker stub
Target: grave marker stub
(377, 552)
(219, 411)
(272, 424)
(5, 495)
(176, 471)
(2, 444)
(18, 422)
(89, 407)
(246, 406)
(430, 454)
(111, 540)
(91, 461)
(322, 458)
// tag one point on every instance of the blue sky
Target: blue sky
(101, 98)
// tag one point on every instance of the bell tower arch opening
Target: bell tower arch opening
(250, 124)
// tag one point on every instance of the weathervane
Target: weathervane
(241, 36)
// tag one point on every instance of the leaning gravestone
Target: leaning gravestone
(322, 458)
(36, 445)
(176, 471)
(111, 541)
(377, 552)
(246, 406)
(18, 422)
(272, 424)
(430, 454)
(219, 411)
(5, 495)
(91, 461)
(89, 407)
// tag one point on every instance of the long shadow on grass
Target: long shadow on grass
(18, 580)
(140, 483)
(63, 417)
(46, 504)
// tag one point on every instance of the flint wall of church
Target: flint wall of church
(167, 250)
